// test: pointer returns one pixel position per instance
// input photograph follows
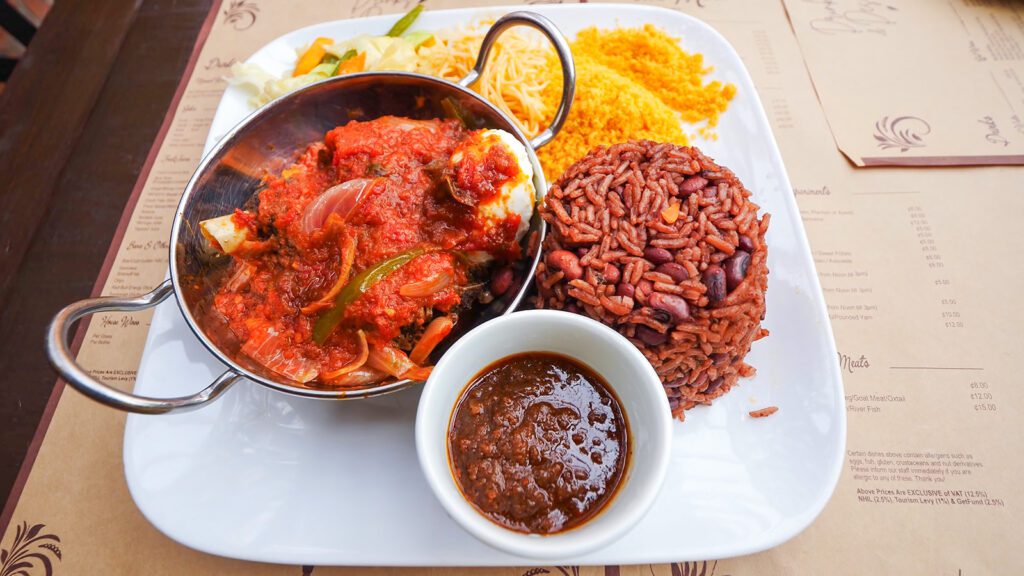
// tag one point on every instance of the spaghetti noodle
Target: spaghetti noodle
(515, 78)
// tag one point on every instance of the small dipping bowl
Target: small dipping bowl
(626, 371)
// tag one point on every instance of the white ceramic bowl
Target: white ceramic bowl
(592, 343)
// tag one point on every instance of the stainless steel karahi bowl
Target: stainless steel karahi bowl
(268, 141)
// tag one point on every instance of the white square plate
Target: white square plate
(261, 475)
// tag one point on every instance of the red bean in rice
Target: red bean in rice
(687, 290)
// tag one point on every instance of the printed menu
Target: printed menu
(918, 82)
(917, 265)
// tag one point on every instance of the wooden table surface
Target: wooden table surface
(76, 123)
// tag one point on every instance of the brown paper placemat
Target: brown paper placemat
(919, 276)
(918, 82)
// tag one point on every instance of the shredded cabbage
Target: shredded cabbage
(382, 53)
(265, 86)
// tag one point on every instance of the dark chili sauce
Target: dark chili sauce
(538, 443)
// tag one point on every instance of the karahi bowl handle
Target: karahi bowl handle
(58, 349)
(548, 28)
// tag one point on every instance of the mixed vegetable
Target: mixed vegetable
(358, 286)
(325, 57)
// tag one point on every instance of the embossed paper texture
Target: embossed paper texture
(918, 82)
(921, 288)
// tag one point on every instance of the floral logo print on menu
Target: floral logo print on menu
(241, 14)
(693, 568)
(363, 8)
(677, 569)
(561, 571)
(852, 17)
(32, 552)
(903, 132)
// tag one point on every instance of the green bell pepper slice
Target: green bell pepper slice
(361, 284)
(405, 22)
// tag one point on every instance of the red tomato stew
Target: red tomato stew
(354, 263)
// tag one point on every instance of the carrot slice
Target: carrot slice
(671, 214)
(352, 65)
(312, 56)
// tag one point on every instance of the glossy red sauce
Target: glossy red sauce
(480, 178)
(403, 209)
